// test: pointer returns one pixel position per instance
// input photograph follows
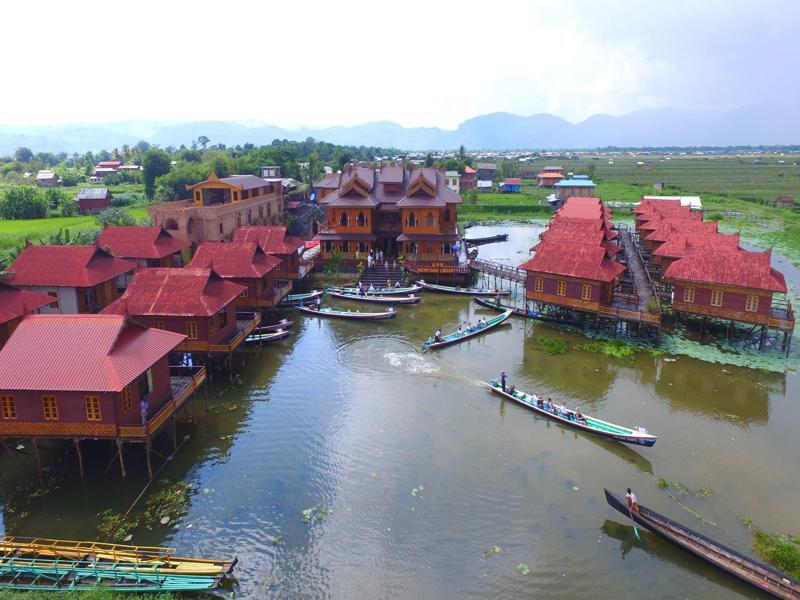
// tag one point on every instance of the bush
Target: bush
(652, 306)
(70, 177)
(23, 202)
(66, 206)
(115, 216)
(127, 198)
(552, 345)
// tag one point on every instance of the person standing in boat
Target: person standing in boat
(318, 303)
(633, 501)
(437, 336)
(361, 290)
(503, 380)
(497, 296)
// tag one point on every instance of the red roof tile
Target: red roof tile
(547, 175)
(188, 292)
(513, 181)
(735, 268)
(469, 170)
(97, 353)
(66, 266)
(15, 302)
(670, 229)
(235, 259)
(272, 239)
(682, 245)
(140, 242)
(585, 261)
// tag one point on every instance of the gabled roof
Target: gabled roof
(682, 245)
(423, 187)
(45, 174)
(242, 182)
(550, 175)
(392, 174)
(487, 166)
(330, 181)
(188, 292)
(584, 261)
(66, 266)
(109, 163)
(739, 268)
(513, 181)
(469, 170)
(669, 229)
(140, 242)
(272, 239)
(92, 194)
(86, 353)
(234, 259)
(575, 183)
(15, 302)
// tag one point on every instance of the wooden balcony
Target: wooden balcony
(777, 319)
(244, 327)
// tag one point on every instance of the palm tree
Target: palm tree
(311, 172)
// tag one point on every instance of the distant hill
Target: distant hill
(757, 124)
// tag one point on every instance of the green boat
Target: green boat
(298, 299)
(461, 336)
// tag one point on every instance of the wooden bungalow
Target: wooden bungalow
(667, 230)
(511, 185)
(735, 286)
(275, 241)
(194, 302)
(487, 171)
(568, 188)
(80, 279)
(468, 178)
(14, 305)
(91, 376)
(146, 246)
(548, 180)
(46, 178)
(577, 231)
(682, 245)
(246, 264)
(90, 201)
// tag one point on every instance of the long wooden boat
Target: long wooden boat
(756, 573)
(489, 239)
(397, 299)
(305, 298)
(285, 324)
(517, 312)
(352, 315)
(446, 289)
(636, 436)
(265, 338)
(381, 291)
(458, 337)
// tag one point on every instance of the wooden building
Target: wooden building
(468, 178)
(80, 279)
(327, 185)
(91, 376)
(246, 264)
(219, 206)
(681, 245)
(402, 212)
(194, 302)
(452, 180)
(90, 201)
(511, 185)
(275, 240)
(46, 178)
(548, 180)
(487, 171)
(146, 246)
(14, 305)
(568, 188)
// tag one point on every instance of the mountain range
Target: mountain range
(768, 123)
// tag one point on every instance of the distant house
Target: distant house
(146, 246)
(486, 185)
(109, 164)
(46, 178)
(468, 179)
(487, 171)
(101, 172)
(452, 179)
(93, 200)
(326, 185)
(271, 172)
(14, 305)
(575, 187)
(549, 176)
(785, 201)
(511, 185)
(275, 241)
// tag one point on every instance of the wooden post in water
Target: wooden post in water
(147, 454)
(80, 456)
(174, 432)
(121, 459)
(36, 454)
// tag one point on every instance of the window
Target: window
(562, 288)
(49, 408)
(158, 324)
(688, 294)
(191, 330)
(54, 296)
(127, 400)
(223, 318)
(9, 406)
(538, 284)
(586, 292)
(343, 219)
(144, 383)
(361, 220)
(327, 246)
(716, 297)
(245, 293)
(446, 215)
(412, 220)
(751, 305)
(429, 220)
(343, 247)
(92, 408)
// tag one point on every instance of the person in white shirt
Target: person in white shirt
(633, 502)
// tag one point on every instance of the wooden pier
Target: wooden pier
(501, 271)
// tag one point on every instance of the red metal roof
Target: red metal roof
(66, 266)
(670, 229)
(15, 302)
(272, 239)
(738, 268)
(86, 353)
(469, 170)
(513, 181)
(547, 175)
(140, 242)
(188, 292)
(235, 259)
(584, 261)
(682, 245)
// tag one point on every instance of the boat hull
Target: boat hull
(377, 299)
(490, 239)
(634, 438)
(285, 325)
(403, 291)
(301, 299)
(739, 565)
(449, 340)
(265, 338)
(350, 316)
(444, 289)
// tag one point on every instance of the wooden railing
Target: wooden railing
(500, 270)
(245, 328)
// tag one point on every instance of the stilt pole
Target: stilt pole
(36, 454)
(147, 454)
(121, 458)
(80, 455)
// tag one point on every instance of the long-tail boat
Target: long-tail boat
(446, 289)
(462, 336)
(285, 324)
(264, 338)
(489, 239)
(352, 315)
(637, 435)
(381, 291)
(764, 577)
(305, 298)
(375, 299)
(516, 311)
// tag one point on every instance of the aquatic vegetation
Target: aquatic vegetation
(164, 504)
(782, 551)
(747, 521)
(704, 492)
(524, 569)
(314, 514)
(417, 490)
(552, 345)
(493, 551)
(663, 484)
(615, 348)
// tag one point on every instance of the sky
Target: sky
(417, 63)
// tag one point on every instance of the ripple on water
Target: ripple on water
(371, 355)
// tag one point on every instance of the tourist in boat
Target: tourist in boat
(388, 283)
(397, 284)
(503, 380)
(539, 402)
(437, 337)
(633, 501)
(579, 416)
(371, 288)
(512, 389)
(361, 290)
(460, 331)
(318, 303)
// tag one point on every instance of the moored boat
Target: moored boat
(382, 291)
(516, 311)
(352, 315)
(285, 324)
(375, 299)
(637, 435)
(264, 338)
(489, 239)
(758, 574)
(461, 336)
(446, 289)
(305, 298)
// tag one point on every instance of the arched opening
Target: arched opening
(189, 226)
(343, 247)
(412, 220)
(343, 219)
(171, 224)
(361, 220)
(429, 220)
(221, 231)
(446, 215)
(327, 246)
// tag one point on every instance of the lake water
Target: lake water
(422, 470)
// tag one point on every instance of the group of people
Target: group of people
(363, 290)
(463, 329)
(560, 411)
(376, 257)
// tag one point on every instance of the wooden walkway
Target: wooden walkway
(503, 271)
(641, 278)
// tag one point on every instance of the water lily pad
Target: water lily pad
(524, 569)
(493, 551)
(575, 488)
(414, 491)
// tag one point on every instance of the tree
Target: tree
(155, 163)
(23, 202)
(23, 154)
(472, 196)
(66, 205)
(462, 153)
(590, 171)
(53, 196)
(221, 164)
(69, 176)
(114, 216)
(203, 141)
(429, 160)
(142, 146)
(311, 172)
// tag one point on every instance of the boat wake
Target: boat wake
(411, 363)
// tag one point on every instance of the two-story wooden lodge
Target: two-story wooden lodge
(90, 376)
(194, 302)
(246, 264)
(275, 241)
(80, 279)
(146, 246)
(668, 229)
(684, 244)
(403, 212)
(15, 304)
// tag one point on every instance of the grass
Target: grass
(783, 551)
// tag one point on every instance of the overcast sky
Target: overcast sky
(430, 63)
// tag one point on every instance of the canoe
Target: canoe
(756, 573)
(446, 289)
(410, 299)
(392, 291)
(456, 338)
(517, 312)
(284, 325)
(637, 436)
(264, 338)
(489, 239)
(352, 315)
(295, 299)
